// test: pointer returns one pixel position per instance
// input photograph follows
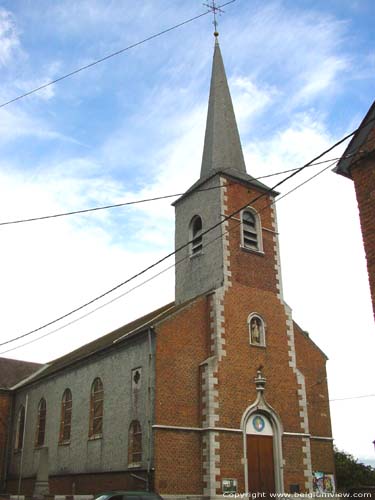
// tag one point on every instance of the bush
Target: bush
(350, 473)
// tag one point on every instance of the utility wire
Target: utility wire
(118, 52)
(354, 397)
(205, 245)
(145, 200)
(225, 218)
(105, 207)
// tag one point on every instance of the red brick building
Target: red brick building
(358, 163)
(11, 372)
(219, 392)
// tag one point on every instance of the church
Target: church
(216, 393)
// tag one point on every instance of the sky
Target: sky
(301, 76)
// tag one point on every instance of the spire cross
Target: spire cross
(215, 10)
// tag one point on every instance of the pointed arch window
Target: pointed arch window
(196, 235)
(257, 332)
(251, 237)
(66, 417)
(41, 423)
(96, 409)
(20, 428)
(135, 444)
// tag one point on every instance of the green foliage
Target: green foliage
(350, 473)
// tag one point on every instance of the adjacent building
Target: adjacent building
(358, 163)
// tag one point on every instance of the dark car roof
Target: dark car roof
(123, 492)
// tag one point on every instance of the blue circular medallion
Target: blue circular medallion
(258, 423)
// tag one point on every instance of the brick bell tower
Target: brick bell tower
(256, 426)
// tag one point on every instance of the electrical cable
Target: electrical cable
(159, 261)
(145, 200)
(159, 273)
(94, 63)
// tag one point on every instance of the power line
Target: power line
(159, 261)
(144, 200)
(145, 269)
(105, 207)
(353, 397)
(157, 274)
(109, 56)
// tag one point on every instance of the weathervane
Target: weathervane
(215, 10)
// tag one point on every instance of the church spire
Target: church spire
(222, 146)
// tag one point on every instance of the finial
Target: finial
(260, 380)
(214, 9)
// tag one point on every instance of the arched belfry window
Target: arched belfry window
(20, 428)
(251, 237)
(96, 409)
(41, 423)
(257, 332)
(66, 417)
(196, 235)
(135, 444)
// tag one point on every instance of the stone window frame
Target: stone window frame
(135, 444)
(66, 417)
(40, 434)
(248, 230)
(195, 235)
(262, 342)
(20, 430)
(96, 409)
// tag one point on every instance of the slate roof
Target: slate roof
(13, 371)
(222, 150)
(230, 173)
(358, 140)
(107, 341)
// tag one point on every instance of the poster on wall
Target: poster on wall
(229, 485)
(323, 483)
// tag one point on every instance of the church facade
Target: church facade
(220, 391)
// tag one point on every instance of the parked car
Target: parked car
(128, 495)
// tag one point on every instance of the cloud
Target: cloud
(16, 123)
(49, 72)
(302, 52)
(250, 100)
(9, 39)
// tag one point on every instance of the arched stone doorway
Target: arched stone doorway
(262, 431)
(259, 452)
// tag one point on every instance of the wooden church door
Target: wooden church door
(259, 451)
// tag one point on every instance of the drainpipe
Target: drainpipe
(149, 409)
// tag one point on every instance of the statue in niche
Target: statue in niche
(256, 330)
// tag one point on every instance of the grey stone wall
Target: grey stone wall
(121, 406)
(203, 272)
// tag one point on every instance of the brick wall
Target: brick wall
(314, 368)
(363, 174)
(5, 408)
(293, 456)
(181, 345)
(216, 394)
(83, 484)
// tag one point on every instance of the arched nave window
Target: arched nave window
(96, 409)
(41, 423)
(66, 417)
(135, 444)
(20, 428)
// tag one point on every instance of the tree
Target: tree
(350, 473)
